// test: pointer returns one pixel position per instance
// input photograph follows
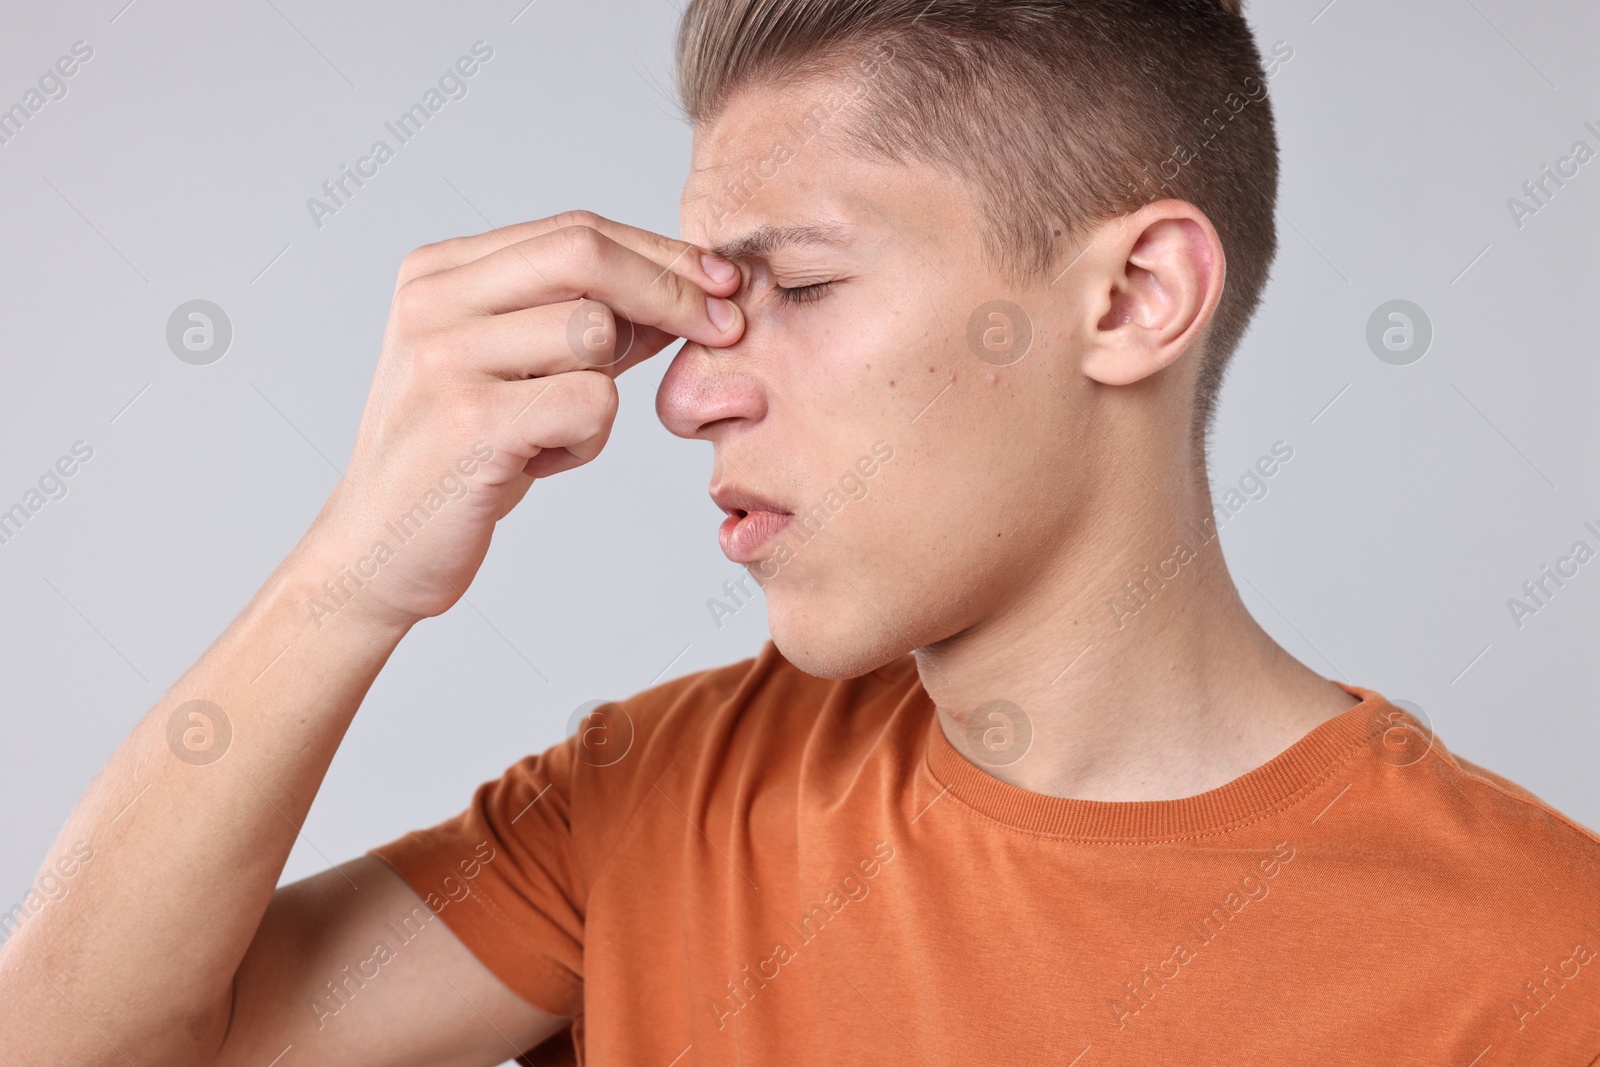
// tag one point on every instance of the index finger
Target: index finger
(697, 264)
(580, 262)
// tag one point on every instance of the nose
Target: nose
(706, 390)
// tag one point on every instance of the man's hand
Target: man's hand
(497, 368)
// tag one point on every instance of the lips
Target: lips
(735, 500)
(752, 521)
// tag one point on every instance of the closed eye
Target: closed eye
(802, 294)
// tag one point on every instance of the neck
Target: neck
(1132, 663)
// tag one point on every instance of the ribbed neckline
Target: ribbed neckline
(1253, 796)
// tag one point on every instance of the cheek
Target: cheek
(975, 462)
(854, 373)
(893, 364)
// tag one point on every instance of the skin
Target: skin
(1018, 499)
(1020, 496)
(173, 945)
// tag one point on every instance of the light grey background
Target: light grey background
(1418, 500)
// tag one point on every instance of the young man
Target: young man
(1017, 779)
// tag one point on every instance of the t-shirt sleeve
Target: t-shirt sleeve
(511, 876)
(505, 878)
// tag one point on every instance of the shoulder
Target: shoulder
(1523, 889)
(1418, 779)
(760, 717)
(1531, 822)
(1444, 817)
(1495, 796)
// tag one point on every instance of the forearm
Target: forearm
(473, 400)
(186, 833)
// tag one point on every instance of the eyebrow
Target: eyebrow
(765, 239)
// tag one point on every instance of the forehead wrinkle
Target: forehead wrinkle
(765, 239)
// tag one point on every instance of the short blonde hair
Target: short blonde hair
(1059, 114)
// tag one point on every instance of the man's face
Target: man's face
(930, 484)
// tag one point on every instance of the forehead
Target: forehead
(775, 170)
(760, 164)
(771, 170)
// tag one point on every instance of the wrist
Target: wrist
(324, 588)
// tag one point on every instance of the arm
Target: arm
(423, 999)
(479, 390)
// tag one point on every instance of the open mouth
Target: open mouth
(744, 534)
(752, 522)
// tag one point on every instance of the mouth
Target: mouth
(752, 522)
(745, 533)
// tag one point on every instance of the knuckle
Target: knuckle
(609, 399)
(439, 353)
(425, 259)
(579, 217)
(595, 392)
(672, 288)
(448, 252)
(592, 333)
(669, 248)
(581, 245)
(417, 298)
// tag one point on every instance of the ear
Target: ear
(1154, 282)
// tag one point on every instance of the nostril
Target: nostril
(704, 391)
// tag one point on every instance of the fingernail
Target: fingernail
(720, 312)
(717, 268)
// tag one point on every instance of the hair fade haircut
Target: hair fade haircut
(1058, 114)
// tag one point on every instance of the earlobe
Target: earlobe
(1162, 287)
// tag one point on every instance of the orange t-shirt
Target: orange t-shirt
(753, 865)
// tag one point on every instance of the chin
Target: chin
(832, 641)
